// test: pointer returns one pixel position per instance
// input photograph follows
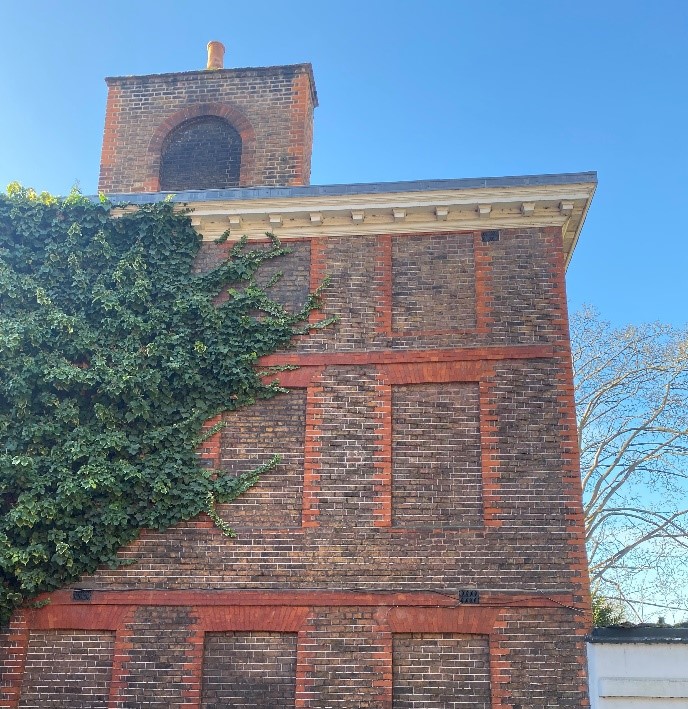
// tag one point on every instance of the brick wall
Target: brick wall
(429, 291)
(153, 667)
(419, 459)
(344, 489)
(347, 659)
(291, 291)
(248, 441)
(442, 268)
(67, 669)
(436, 456)
(249, 670)
(441, 670)
(203, 153)
(531, 645)
(269, 108)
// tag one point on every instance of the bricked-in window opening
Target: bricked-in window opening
(441, 670)
(250, 438)
(436, 456)
(433, 283)
(67, 668)
(202, 153)
(249, 669)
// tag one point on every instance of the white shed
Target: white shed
(638, 667)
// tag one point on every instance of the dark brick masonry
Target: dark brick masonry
(441, 267)
(249, 670)
(67, 669)
(269, 108)
(252, 437)
(203, 153)
(424, 452)
(436, 456)
(155, 669)
(441, 670)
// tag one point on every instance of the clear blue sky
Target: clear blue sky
(408, 90)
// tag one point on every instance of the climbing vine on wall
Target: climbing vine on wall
(113, 354)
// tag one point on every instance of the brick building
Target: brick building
(422, 543)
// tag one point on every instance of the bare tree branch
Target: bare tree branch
(632, 406)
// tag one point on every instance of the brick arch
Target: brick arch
(222, 110)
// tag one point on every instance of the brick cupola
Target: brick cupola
(211, 129)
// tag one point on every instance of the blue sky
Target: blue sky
(408, 90)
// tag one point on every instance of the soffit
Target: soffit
(430, 207)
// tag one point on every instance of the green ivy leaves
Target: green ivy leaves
(113, 354)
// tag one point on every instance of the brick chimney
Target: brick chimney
(211, 129)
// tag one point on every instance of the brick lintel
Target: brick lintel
(466, 354)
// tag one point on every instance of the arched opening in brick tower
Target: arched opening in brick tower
(201, 153)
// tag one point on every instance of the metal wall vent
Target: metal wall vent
(469, 596)
(81, 594)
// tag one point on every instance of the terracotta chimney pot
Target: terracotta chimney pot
(216, 55)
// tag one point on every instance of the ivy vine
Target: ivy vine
(113, 354)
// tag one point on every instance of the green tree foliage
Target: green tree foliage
(113, 354)
(606, 612)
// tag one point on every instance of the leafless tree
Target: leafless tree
(632, 406)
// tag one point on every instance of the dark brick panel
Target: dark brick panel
(437, 475)
(203, 153)
(348, 444)
(67, 669)
(351, 265)
(433, 283)
(252, 437)
(525, 306)
(210, 256)
(156, 671)
(251, 670)
(441, 670)
(291, 290)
